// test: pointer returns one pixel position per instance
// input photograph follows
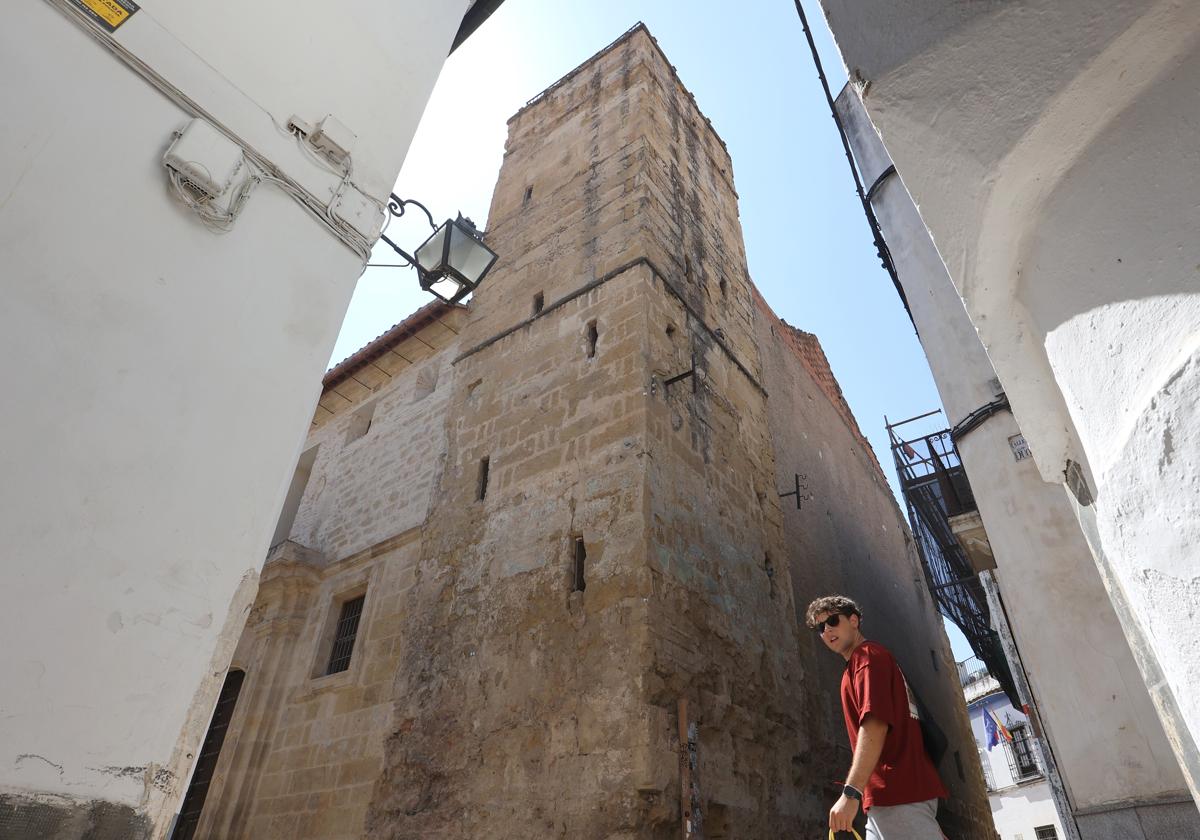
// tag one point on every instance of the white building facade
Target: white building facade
(167, 321)
(1050, 146)
(1112, 761)
(1022, 803)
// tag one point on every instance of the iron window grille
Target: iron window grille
(1046, 832)
(206, 763)
(345, 634)
(1021, 762)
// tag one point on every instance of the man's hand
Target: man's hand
(842, 814)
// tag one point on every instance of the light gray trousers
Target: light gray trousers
(914, 821)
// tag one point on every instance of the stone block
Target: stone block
(1120, 824)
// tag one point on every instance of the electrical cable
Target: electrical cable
(262, 170)
(881, 247)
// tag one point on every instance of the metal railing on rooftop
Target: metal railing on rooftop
(972, 670)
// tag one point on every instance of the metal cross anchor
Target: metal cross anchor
(800, 497)
(679, 377)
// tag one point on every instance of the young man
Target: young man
(891, 775)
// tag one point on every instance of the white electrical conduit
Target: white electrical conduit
(261, 168)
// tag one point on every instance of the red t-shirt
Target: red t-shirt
(873, 683)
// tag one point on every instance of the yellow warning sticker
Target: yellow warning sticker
(109, 14)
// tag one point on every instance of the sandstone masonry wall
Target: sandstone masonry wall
(848, 536)
(576, 529)
(304, 748)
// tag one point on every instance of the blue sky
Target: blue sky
(808, 246)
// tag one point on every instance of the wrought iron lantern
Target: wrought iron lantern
(452, 262)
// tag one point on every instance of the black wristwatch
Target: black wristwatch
(853, 793)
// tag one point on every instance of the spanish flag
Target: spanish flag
(994, 729)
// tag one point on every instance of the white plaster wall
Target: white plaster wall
(1044, 564)
(1122, 335)
(160, 379)
(1051, 152)
(1019, 811)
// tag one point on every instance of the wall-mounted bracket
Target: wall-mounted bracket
(681, 376)
(802, 493)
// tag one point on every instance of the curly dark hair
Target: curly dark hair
(839, 604)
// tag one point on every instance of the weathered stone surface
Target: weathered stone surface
(489, 693)
(45, 817)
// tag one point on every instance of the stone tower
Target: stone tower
(622, 555)
(556, 519)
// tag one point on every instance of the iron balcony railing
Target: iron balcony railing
(935, 488)
(972, 670)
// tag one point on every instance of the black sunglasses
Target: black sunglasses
(833, 621)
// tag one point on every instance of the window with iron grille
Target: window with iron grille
(345, 634)
(1046, 832)
(1021, 762)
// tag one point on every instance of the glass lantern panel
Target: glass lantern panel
(445, 288)
(468, 256)
(429, 255)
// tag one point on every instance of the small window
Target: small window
(295, 494)
(724, 288)
(933, 659)
(539, 301)
(580, 583)
(345, 634)
(360, 422)
(1046, 832)
(528, 195)
(427, 379)
(593, 335)
(481, 487)
(959, 765)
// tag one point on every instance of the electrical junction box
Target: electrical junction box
(333, 138)
(206, 160)
(360, 212)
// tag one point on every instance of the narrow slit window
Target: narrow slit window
(528, 195)
(593, 335)
(724, 288)
(933, 659)
(959, 765)
(580, 582)
(481, 488)
(344, 635)
(539, 301)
